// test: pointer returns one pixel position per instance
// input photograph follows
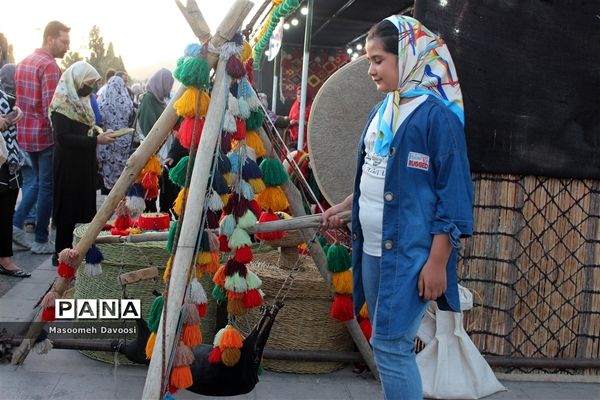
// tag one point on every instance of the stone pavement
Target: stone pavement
(67, 374)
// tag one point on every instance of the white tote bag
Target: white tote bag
(451, 367)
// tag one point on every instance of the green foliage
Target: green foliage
(100, 57)
(70, 58)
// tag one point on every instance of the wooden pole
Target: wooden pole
(195, 19)
(186, 245)
(320, 259)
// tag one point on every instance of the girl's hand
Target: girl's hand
(19, 115)
(3, 123)
(432, 280)
(329, 218)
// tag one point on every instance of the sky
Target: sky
(146, 33)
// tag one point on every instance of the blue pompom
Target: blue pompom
(234, 158)
(94, 256)
(244, 88)
(250, 170)
(193, 50)
(136, 190)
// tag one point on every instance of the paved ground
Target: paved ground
(67, 374)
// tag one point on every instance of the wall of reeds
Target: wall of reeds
(534, 266)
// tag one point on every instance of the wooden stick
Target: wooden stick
(320, 259)
(186, 245)
(195, 19)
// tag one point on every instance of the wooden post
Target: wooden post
(195, 19)
(190, 227)
(318, 255)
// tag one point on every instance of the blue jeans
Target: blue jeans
(40, 193)
(28, 180)
(395, 359)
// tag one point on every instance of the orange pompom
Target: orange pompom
(192, 335)
(236, 307)
(150, 345)
(230, 356)
(181, 377)
(219, 277)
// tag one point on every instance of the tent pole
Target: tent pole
(305, 59)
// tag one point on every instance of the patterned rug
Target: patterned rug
(322, 64)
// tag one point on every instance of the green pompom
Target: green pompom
(261, 369)
(155, 313)
(177, 174)
(218, 293)
(255, 120)
(193, 72)
(273, 172)
(338, 258)
(171, 236)
(322, 241)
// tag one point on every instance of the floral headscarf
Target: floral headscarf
(66, 100)
(115, 104)
(424, 67)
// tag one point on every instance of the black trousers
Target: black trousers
(64, 236)
(8, 200)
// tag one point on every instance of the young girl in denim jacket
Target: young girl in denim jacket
(412, 199)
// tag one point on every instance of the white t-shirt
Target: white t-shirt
(372, 182)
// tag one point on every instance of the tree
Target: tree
(97, 52)
(70, 58)
(6, 51)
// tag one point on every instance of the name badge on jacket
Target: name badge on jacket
(418, 161)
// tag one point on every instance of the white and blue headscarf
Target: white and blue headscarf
(424, 67)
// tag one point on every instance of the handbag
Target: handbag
(451, 366)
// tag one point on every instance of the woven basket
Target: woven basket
(304, 322)
(127, 257)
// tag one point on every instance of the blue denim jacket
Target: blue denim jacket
(427, 191)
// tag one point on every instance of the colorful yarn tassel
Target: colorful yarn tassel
(177, 174)
(273, 172)
(342, 282)
(338, 258)
(341, 308)
(273, 199)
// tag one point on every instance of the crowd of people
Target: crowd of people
(56, 128)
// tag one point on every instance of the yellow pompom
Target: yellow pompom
(342, 282)
(150, 345)
(364, 312)
(228, 178)
(253, 140)
(246, 51)
(225, 198)
(272, 198)
(204, 257)
(178, 203)
(236, 307)
(167, 272)
(187, 104)
(258, 185)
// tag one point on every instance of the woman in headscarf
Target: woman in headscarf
(294, 119)
(10, 171)
(412, 173)
(116, 108)
(75, 164)
(152, 105)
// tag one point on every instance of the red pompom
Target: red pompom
(252, 298)
(151, 193)
(244, 255)
(48, 314)
(341, 308)
(235, 68)
(366, 328)
(119, 232)
(226, 142)
(149, 180)
(269, 217)
(186, 132)
(255, 207)
(172, 389)
(215, 356)
(223, 246)
(123, 222)
(249, 67)
(240, 132)
(65, 271)
(201, 309)
(107, 227)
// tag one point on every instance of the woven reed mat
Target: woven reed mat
(127, 257)
(304, 322)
